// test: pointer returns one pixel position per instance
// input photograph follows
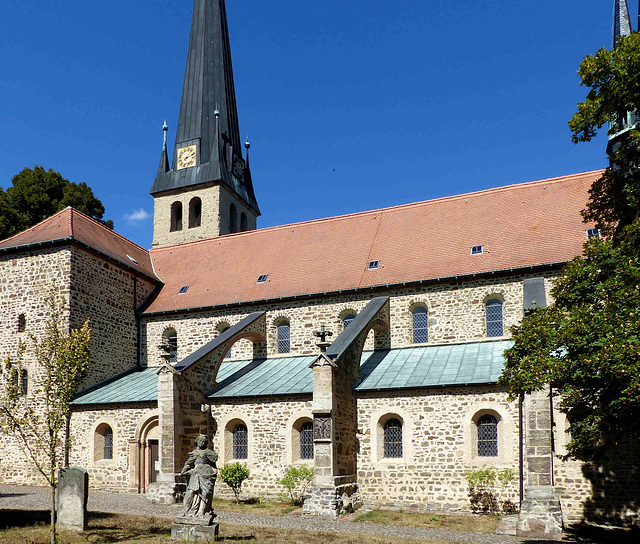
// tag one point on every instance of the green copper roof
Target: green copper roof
(402, 368)
(133, 386)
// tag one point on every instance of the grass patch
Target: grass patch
(30, 527)
(477, 524)
(253, 506)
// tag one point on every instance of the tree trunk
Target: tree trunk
(53, 514)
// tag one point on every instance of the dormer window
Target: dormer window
(477, 250)
(373, 265)
(593, 233)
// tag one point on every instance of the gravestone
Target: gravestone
(73, 493)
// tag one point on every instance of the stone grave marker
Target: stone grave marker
(73, 493)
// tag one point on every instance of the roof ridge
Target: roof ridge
(33, 227)
(556, 179)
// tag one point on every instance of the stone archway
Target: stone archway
(144, 455)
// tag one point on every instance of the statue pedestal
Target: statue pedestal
(194, 533)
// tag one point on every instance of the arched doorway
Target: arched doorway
(144, 457)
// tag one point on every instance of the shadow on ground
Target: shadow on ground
(589, 534)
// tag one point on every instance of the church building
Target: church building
(366, 346)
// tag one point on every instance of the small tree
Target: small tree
(37, 421)
(296, 480)
(233, 474)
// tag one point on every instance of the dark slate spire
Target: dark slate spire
(621, 20)
(163, 167)
(208, 87)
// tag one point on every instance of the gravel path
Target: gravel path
(37, 498)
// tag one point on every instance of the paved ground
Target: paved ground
(38, 498)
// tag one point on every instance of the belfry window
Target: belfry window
(195, 212)
(306, 440)
(24, 382)
(243, 222)
(240, 442)
(176, 216)
(170, 344)
(233, 219)
(393, 439)
(420, 325)
(22, 323)
(487, 436)
(284, 337)
(494, 317)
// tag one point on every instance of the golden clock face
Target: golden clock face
(186, 157)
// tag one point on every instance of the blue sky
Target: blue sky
(349, 105)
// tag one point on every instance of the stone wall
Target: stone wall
(216, 203)
(456, 314)
(125, 421)
(107, 294)
(439, 445)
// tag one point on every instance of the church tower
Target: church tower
(208, 191)
(625, 121)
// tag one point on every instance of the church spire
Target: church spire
(621, 20)
(207, 146)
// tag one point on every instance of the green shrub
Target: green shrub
(233, 474)
(296, 480)
(485, 486)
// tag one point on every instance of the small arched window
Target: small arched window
(348, 319)
(24, 382)
(494, 317)
(243, 222)
(487, 436)
(306, 440)
(103, 442)
(221, 328)
(170, 344)
(240, 442)
(393, 438)
(233, 218)
(195, 212)
(284, 337)
(22, 323)
(420, 325)
(176, 216)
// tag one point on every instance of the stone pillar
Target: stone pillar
(540, 512)
(166, 486)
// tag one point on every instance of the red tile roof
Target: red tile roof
(72, 224)
(519, 226)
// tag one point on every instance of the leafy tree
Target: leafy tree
(587, 346)
(37, 194)
(233, 474)
(37, 420)
(296, 480)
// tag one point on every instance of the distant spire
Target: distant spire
(621, 20)
(163, 167)
(209, 88)
(248, 182)
(165, 128)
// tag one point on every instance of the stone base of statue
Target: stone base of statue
(195, 529)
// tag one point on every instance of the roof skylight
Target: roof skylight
(262, 278)
(183, 290)
(477, 250)
(132, 259)
(373, 265)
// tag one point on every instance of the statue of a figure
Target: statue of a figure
(202, 471)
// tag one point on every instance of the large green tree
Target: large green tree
(587, 345)
(37, 193)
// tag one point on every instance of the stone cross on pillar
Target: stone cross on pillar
(322, 334)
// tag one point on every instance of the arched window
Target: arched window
(170, 344)
(22, 323)
(24, 382)
(348, 319)
(420, 325)
(306, 440)
(221, 328)
(195, 212)
(487, 436)
(393, 438)
(494, 317)
(284, 337)
(176, 216)
(233, 218)
(103, 442)
(243, 222)
(240, 442)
